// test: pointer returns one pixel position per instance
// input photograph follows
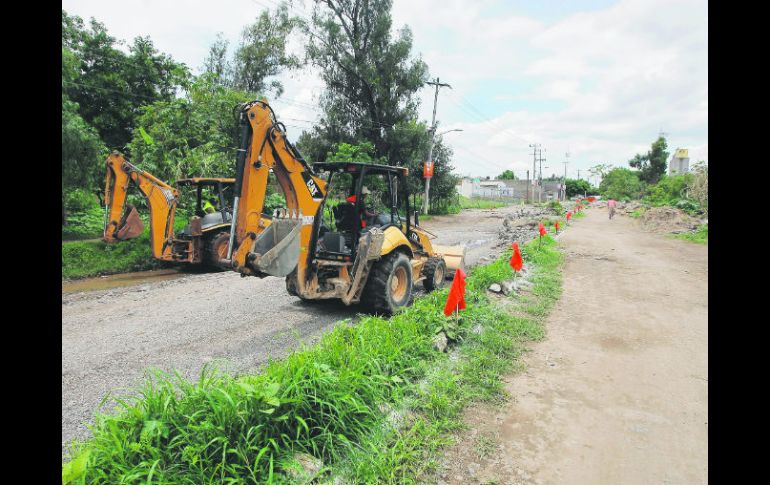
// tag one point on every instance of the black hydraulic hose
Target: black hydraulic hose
(240, 163)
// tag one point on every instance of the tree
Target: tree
(652, 165)
(190, 136)
(82, 152)
(621, 184)
(262, 52)
(109, 86)
(577, 187)
(698, 185)
(507, 175)
(371, 79)
(216, 62)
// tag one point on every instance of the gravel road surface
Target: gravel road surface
(110, 337)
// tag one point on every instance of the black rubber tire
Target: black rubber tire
(212, 246)
(435, 268)
(291, 287)
(291, 283)
(378, 292)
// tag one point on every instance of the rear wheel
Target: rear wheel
(390, 284)
(215, 249)
(435, 274)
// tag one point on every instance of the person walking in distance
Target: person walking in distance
(611, 207)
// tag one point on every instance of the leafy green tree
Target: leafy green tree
(621, 184)
(698, 185)
(652, 165)
(82, 153)
(189, 136)
(371, 78)
(262, 52)
(216, 62)
(109, 85)
(507, 175)
(577, 187)
(346, 152)
(668, 191)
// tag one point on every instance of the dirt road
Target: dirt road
(618, 391)
(111, 336)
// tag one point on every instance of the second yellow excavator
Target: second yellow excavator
(203, 241)
(329, 241)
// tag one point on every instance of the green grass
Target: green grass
(86, 224)
(699, 236)
(636, 214)
(82, 259)
(332, 400)
(466, 203)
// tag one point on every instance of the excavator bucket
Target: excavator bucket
(131, 225)
(276, 249)
(454, 257)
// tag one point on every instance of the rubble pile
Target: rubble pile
(668, 220)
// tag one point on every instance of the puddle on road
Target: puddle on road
(120, 280)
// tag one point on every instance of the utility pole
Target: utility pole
(540, 178)
(534, 148)
(579, 174)
(564, 183)
(432, 139)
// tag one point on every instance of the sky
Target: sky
(597, 79)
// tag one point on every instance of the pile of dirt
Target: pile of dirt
(521, 225)
(668, 220)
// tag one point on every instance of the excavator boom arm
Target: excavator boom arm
(123, 222)
(272, 247)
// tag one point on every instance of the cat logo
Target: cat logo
(315, 192)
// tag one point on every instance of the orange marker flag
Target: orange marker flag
(516, 262)
(456, 299)
(569, 216)
(542, 230)
(557, 227)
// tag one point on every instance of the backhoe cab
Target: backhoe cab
(347, 235)
(202, 241)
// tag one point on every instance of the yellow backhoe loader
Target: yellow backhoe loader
(203, 241)
(329, 242)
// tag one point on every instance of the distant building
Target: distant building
(680, 162)
(508, 189)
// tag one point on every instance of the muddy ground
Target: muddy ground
(115, 328)
(618, 390)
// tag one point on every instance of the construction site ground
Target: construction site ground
(116, 327)
(616, 393)
(618, 390)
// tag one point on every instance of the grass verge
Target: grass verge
(374, 401)
(699, 236)
(80, 259)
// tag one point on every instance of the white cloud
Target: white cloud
(612, 78)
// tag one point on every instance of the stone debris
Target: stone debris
(307, 467)
(495, 288)
(440, 342)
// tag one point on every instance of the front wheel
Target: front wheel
(215, 249)
(435, 274)
(390, 284)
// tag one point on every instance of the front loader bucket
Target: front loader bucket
(131, 225)
(454, 257)
(276, 250)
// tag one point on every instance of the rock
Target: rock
(495, 288)
(440, 342)
(508, 287)
(308, 466)
(473, 469)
